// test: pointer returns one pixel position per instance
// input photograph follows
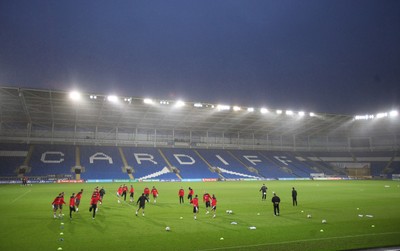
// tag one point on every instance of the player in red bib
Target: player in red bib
(78, 198)
(181, 193)
(214, 205)
(124, 191)
(71, 205)
(206, 199)
(155, 193)
(119, 193)
(146, 192)
(190, 194)
(195, 203)
(131, 193)
(93, 203)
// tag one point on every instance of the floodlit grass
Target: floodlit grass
(27, 221)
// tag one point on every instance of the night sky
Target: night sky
(336, 56)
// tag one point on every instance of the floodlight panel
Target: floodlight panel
(237, 108)
(250, 109)
(179, 103)
(393, 113)
(74, 95)
(112, 98)
(148, 101)
(264, 110)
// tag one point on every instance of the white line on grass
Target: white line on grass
(296, 241)
(19, 197)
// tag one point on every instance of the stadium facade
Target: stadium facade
(50, 117)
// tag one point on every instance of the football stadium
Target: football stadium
(344, 167)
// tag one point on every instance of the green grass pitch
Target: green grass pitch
(27, 220)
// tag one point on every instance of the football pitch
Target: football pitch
(358, 214)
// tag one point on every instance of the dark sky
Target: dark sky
(336, 56)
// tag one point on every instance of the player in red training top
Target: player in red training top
(155, 193)
(78, 198)
(214, 205)
(93, 203)
(146, 192)
(57, 204)
(131, 193)
(124, 191)
(71, 205)
(190, 195)
(119, 193)
(96, 193)
(195, 203)
(206, 199)
(181, 193)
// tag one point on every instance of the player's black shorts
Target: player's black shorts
(77, 201)
(55, 206)
(214, 208)
(207, 204)
(131, 195)
(195, 209)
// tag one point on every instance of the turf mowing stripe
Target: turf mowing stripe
(19, 197)
(307, 240)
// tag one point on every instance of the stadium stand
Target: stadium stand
(112, 162)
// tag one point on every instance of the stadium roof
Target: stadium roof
(48, 109)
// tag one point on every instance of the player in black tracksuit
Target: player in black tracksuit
(275, 201)
(294, 197)
(263, 189)
(142, 202)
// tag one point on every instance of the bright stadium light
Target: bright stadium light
(198, 105)
(393, 113)
(381, 115)
(289, 112)
(223, 107)
(264, 110)
(301, 113)
(278, 111)
(250, 109)
(312, 114)
(112, 98)
(93, 97)
(148, 101)
(237, 108)
(179, 103)
(74, 95)
(164, 102)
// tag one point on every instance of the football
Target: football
(308, 215)
(167, 229)
(323, 221)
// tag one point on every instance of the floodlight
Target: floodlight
(278, 111)
(148, 101)
(312, 114)
(250, 109)
(393, 113)
(74, 95)
(223, 107)
(288, 112)
(237, 108)
(112, 98)
(93, 97)
(164, 102)
(301, 113)
(198, 105)
(179, 103)
(381, 115)
(264, 110)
